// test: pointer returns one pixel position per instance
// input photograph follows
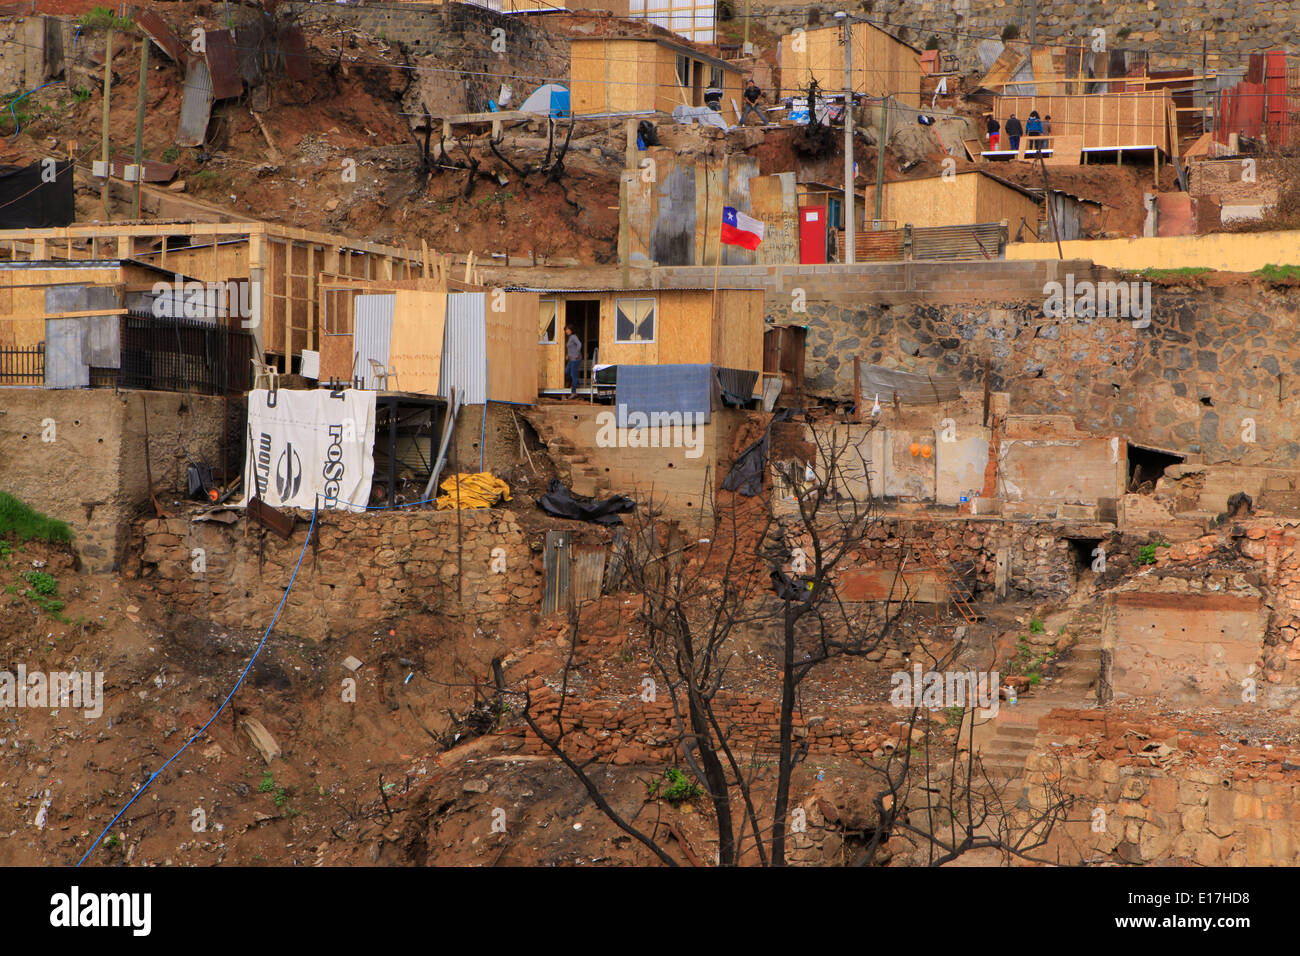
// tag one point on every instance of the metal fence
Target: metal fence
(985, 240)
(176, 355)
(23, 366)
(156, 354)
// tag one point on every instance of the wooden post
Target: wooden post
(717, 265)
(857, 389)
(103, 137)
(139, 120)
(848, 253)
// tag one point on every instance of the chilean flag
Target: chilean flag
(740, 230)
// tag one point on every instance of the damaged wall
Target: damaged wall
(1216, 367)
(674, 208)
(91, 474)
(360, 568)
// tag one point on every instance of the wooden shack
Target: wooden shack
(966, 198)
(1102, 122)
(883, 65)
(649, 327)
(623, 75)
(25, 288)
(282, 266)
(435, 334)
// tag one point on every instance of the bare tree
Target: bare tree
(700, 598)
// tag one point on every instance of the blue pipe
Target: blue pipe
(23, 97)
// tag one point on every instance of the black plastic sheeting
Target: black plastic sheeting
(746, 475)
(559, 501)
(27, 201)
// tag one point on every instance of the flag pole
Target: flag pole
(717, 263)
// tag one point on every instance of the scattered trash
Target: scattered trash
(351, 663)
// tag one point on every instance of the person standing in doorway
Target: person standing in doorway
(752, 95)
(1014, 131)
(573, 359)
(994, 128)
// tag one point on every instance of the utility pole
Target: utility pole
(103, 139)
(880, 157)
(745, 49)
(139, 120)
(850, 239)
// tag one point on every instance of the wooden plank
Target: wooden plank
(512, 348)
(415, 348)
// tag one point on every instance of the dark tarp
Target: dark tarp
(746, 474)
(27, 201)
(559, 501)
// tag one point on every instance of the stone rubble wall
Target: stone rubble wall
(360, 568)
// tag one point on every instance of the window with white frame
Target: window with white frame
(634, 321)
(550, 321)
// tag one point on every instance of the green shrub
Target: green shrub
(41, 582)
(102, 18)
(26, 523)
(1147, 553)
(674, 786)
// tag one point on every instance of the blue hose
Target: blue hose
(23, 97)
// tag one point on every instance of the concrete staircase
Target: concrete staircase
(554, 426)
(1005, 742)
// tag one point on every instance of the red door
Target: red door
(812, 234)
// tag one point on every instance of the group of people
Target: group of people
(1033, 127)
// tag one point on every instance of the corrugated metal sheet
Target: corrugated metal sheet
(912, 388)
(464, 348)
(100, 334)
(297, 62)
(977, 241)
(196, 107)
(555, 564)
(372, 333)
(158, 31)
(884, 245)
(222, 65)
(64, 367)
(587, 573)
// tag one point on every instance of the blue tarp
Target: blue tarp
(664, 389)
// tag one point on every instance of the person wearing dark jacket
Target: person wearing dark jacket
(994, 128)
(1014, 131)
(751, 97)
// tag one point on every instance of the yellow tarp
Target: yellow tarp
(481, 490)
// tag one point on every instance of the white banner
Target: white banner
(309, 447)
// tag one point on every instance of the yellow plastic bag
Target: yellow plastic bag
(481, 490)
